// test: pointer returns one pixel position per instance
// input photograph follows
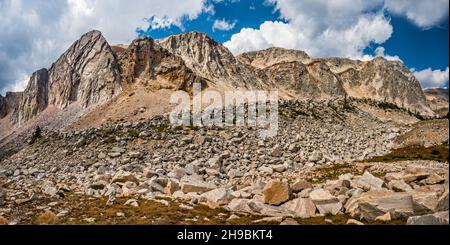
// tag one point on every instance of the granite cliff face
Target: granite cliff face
(378, 79)
(87, 73)
(295, 73)
(312, 81)
(35, 97)
(274, 68)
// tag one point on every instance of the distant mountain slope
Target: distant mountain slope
(438, 100)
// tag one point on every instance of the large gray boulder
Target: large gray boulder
(301, 207)
(195, 185)
(440, 218)
(325, 202)
(217, 197)
(373, 204)
(370, 182)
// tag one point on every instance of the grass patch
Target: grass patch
(133, 133)
(438, 153)
(149, 212)
(159, 128)
(194, 128)
(332, 172)
(81, 207)
(110, 140)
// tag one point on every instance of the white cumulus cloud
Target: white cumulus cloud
(336, 27)
(380, 52)
(35, 32)
(432, 78)
(423, 13)
(319, 27)
(224, 25)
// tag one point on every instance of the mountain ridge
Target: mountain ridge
(91, 73)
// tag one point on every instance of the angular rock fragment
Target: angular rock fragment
(276, 192)
(325, 202)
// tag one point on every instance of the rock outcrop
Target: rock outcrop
(9, 103)
(437, 98)
(144, 61)
(35, 97)
(303, 77)
(272, 56)
(87, 73)
(213, 61)
(311, 81)
(381, 80)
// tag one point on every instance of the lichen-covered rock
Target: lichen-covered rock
(218, 197)
(370, 182)
(198, 186)
(443, 202)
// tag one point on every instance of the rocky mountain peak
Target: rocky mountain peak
(86, 73)
(193, 37)
(386, 81)
(205, 57)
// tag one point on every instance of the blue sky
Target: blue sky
(418, 48)
(246, 13)
(35, 33)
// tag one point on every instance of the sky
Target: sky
(34, 33)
